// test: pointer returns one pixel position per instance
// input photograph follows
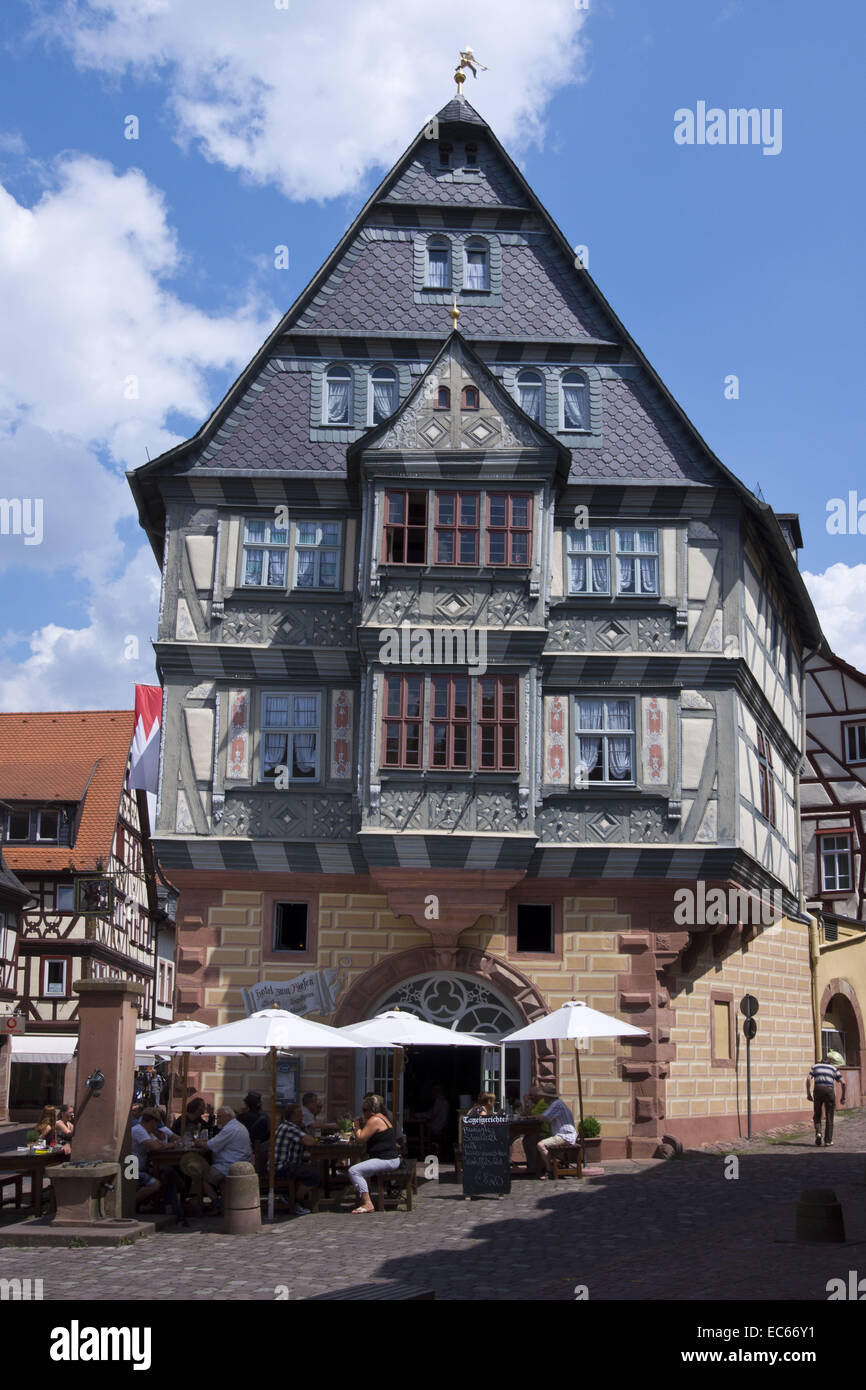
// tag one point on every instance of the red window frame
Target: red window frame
(470, 404)
(457, 746)
(492, 728)
(456, 528)
(765, 770)
(391, 529)
(402, 722)
(443, 398)
(511, 531)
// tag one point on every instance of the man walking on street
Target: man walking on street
(823, 1076)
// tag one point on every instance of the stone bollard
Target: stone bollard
(242, 1212)
(819, 1216)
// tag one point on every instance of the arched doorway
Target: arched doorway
(842, 1033)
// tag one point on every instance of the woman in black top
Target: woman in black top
(377, 1132)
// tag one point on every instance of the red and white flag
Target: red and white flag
(144, 766)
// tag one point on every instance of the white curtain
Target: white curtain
(476, 270)
(277, 567)
(589, 717)
(573, 396)
(305, 754)
(275, 752)
(306, 569)
(384, 400)
(437, 269)
(338, 401)
(529, 398)
(619, 749)
(646, 541)
(253, 566)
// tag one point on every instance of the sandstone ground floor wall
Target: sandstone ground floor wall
(614, 947)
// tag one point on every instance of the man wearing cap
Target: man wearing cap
(562, 1130)
(824, 1075)
(254, 1118)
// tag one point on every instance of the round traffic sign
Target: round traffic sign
(749, 1005)
(750, 1028)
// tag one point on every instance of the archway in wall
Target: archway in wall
(466, 988)
(842, 1031)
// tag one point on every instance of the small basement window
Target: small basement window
(290, 926)
(535, 928)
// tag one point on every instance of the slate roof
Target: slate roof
(35, 744)
(492, 187)
(373, 292)
(640, 439)
(10, 886)
(274, 433)
(459, 110)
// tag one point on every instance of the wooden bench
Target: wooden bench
(403, 1177)
(368, 1292)
(16, 1181)
(566, 1161)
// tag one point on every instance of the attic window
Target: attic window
(477, 268)
(470, 398)
(18, 825)
(472, 155)
(337, 397)
(383, 394)
(529, 392)
(437, 274)
(445, 153)
(443, 398)
(49, 825)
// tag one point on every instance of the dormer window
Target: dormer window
(471, 156)
(529, 394)
(383, 394)
(338, 390)
(438, 270)
(477, 268)
(445, 153)
(443, 398)
(470, 398)
(49, 826)
(575, 402)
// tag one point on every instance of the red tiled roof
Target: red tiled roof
(51, 757)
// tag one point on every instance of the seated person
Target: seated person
(562, 1130)
(145, 1141)
(377, 1132)
(195, 1119)
(43, 1132)
(311, 1109)
(231, 1144)
(254, 1119)
(290, 1141)
(65, 1128)
(483, 1107)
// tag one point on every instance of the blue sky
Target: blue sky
(153, 258)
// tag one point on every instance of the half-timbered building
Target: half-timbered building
(474, 655)
(833, 811)
(13, 896)
(79, 841)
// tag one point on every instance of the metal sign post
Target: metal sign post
(749, 1007)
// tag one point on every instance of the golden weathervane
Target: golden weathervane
(467, 60)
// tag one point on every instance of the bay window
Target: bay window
(450, 706)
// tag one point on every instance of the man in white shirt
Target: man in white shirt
(231, 1144)
(311, 1109)
(562, 1130)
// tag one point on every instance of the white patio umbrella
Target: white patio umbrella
(154, 1045)
(268, 1031)
(576, 1020)
(397, 1028)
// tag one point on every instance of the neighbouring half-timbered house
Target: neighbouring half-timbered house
(13, 896)
(833, 811)
(79, 841)
(474, 656)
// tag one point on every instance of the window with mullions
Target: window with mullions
(855, 743)
(836, 875)
(317, 555)
(604, 734)
(637, 561)
(765, 775)
(402, 721)
(456, 527)
(449, 722)
(509, 527)
(290, 737)
(405, 531)
(497, 723)
(588, 560)
(265, 555)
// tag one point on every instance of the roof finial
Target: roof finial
(467, 60)
(454, 313)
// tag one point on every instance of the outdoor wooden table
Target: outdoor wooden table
(22, 1161)
(327, 1154)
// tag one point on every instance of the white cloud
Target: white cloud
(94, 344)
(839, 596)
(312, 96)
(95, 666)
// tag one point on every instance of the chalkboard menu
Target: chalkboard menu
(486, 1156)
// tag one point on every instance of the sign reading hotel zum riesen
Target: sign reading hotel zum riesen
(313, 993)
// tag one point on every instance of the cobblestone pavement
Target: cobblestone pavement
(664, 1230)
